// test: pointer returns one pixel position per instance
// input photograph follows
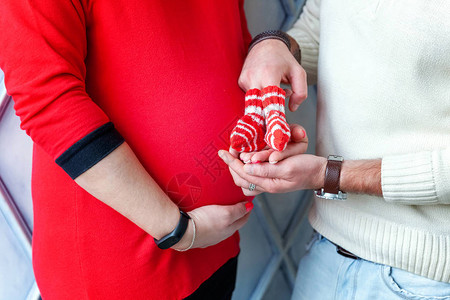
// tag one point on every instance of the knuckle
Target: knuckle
(236, 180)
(303, 95)
(242, 80)
(297, 70)
(227, 216)
(272, 189)
(242, 183)
(289, 170)
(300, 70)
(265, 172)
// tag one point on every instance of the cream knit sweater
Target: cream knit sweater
(384, 92)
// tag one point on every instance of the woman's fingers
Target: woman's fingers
(261, 156)
(238, 224)
(298, 145)
(238, 167)
(298, 133)
(235, 212)
(246, 157)
(245, 185)
(233, 152)
(215, 223)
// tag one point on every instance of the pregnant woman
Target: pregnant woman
(127, 103)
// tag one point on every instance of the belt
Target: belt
(344, 252)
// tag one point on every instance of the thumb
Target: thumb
(225, 156)
(233, 152)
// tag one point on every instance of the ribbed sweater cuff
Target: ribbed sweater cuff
(410, 178)
(88, 151)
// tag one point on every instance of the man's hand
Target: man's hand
(293, 170)
(298, 172)
(214, 223)
(279, 172)
(271, 63)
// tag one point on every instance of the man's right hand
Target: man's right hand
(271, 63)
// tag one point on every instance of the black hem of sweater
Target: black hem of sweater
(88, 151)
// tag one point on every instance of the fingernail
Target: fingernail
(247, 161)
(273, 162)
(304, 133)
(256, 162)
(249, 206)
(248, 169)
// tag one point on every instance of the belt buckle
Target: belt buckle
(345, 253)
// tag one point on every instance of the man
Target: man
(383, 106)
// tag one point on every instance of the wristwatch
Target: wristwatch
(175, 236)
(331, 190)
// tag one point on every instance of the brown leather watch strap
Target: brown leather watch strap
(333, 174)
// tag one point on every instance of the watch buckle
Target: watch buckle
(339, 196)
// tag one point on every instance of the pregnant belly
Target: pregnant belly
(180, 150)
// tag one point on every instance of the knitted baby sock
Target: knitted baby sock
(248, 134)
(277, 130)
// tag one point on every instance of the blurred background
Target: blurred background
(272, 242)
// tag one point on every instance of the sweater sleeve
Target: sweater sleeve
(418, 178)
(44, 47)
(306, 32)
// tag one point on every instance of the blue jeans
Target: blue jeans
(323, 274)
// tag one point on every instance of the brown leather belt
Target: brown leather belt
(344, 252)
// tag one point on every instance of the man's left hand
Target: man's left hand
(292, 171)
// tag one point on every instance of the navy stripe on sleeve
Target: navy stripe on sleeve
(88, 151)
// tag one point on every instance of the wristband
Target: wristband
(331, 189)
(175, 236)
(270, 34)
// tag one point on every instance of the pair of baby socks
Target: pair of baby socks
(264, 122)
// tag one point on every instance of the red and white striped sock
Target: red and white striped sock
(277, 129)
(248, 134)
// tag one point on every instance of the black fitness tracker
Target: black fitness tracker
(175, 236)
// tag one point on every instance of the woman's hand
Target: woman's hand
(297, 145)
(298, 172)
(214, 223)
(293, 170)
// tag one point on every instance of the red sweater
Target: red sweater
(165, 74)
